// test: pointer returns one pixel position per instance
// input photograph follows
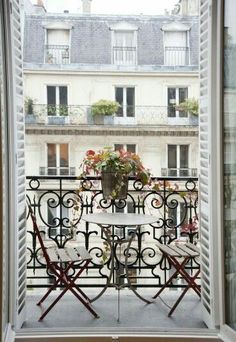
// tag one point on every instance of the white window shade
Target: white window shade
(58, 37)
(176, 48)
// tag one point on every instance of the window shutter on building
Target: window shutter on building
(210, 296)
(17, 164)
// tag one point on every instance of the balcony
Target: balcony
(124, 55)
(179, 172)
(176, 56)
(43, 114)
(57, 54)
(57, 171)
(174, 202)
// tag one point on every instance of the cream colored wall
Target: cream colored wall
(152, 150)
(150, 90)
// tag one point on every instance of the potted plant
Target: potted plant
(103, 108)
(114, 168)
(29, 110)
(190, 106)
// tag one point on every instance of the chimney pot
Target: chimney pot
(86, 5)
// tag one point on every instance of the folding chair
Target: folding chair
(178, 257)
(59, 262)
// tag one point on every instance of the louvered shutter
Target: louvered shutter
(16, 128)
(207, 190)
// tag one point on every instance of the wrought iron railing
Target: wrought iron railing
(57, 54)
(176, 55)
(179, 172)
(57, 171)
(60, 202)
(127, 115)
(124, 55)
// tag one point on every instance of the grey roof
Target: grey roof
(91, 37)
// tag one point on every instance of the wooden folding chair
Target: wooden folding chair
(178, 257)
(59, 262)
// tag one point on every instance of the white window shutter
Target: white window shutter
(207, 192)
(17, 161)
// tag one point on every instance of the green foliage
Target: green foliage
(104, 107)
(189, 105)
(29, 105)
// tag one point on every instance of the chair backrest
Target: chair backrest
(37, 232)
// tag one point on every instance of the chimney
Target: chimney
(39, 7)
(86, 4)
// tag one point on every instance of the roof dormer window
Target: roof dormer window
(124, 44)
(176, 44)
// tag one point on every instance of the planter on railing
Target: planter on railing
(114, 185)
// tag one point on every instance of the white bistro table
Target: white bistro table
(119, 220)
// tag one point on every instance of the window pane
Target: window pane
(63, 100)
(64, 160)
(184, 160)
(51, 100)
(183, 95)
(119, 99)
(130, 102)
(171, 102)
(172, 160)
(52, 159)
(131, 148)
(118, 147)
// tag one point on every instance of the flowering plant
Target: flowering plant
(109, 160)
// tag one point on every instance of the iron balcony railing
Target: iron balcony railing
(57, 54)
(177, 55)
(57, 171)
(44, 114)
(60, 202)
(124, 55)
(179, 172)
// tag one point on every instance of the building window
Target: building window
(57, 100)
(126, 147)
(174, 97)
(57, 46)
(124, 47)
(125, 96)
(176, 48)
(58, 159)
(177, 216)
(178, 160)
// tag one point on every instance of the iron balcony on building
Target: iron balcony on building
(44, 114)
(57, 54)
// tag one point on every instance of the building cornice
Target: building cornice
(180, 131)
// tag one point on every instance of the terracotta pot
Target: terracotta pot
(114, 185)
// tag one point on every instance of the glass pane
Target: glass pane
(131, 148)
(51, 100)
(118, 147)
(52, 162)
(63, 101)
(119, 99)
(64, 160)
(183, 164)
(171, 102)
(183, 95)
(230, 162)
(130, 102)
(172, 156)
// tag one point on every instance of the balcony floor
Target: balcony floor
(134, 313)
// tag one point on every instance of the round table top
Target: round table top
(119, 219)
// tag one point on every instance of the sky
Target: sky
(154, 7)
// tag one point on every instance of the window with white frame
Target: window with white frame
(124, 47)
(57, 46)
(57, 100)
(178, 160)
(176, 95)
(125, 96)
(176, 43)
(58, 159)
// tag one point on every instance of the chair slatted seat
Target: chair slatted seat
(179, 256)
(59, 262)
